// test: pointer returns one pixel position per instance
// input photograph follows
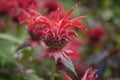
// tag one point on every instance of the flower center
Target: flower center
(55, 42)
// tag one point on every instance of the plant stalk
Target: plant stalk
(53, 68)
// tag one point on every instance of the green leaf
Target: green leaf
(10, 38)
(7, 55)
(68, 63)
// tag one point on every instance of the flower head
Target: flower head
(90, 74)
(51, 5)
(28, 4)
(7, 7)
(95, 35)
(11, 8)
(56, 33)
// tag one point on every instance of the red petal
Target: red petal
(66, 76)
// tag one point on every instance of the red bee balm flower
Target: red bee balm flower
(95, 35)
(90, 74)
(51, 5)
(56, 33)
(11, 8)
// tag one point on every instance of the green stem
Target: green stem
(53, 70)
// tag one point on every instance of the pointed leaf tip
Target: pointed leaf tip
(68, 63)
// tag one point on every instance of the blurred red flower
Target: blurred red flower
(1, 24)
(51, 5)
(11, 8)
(95, 34)
(90, 74)
(8, 7)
